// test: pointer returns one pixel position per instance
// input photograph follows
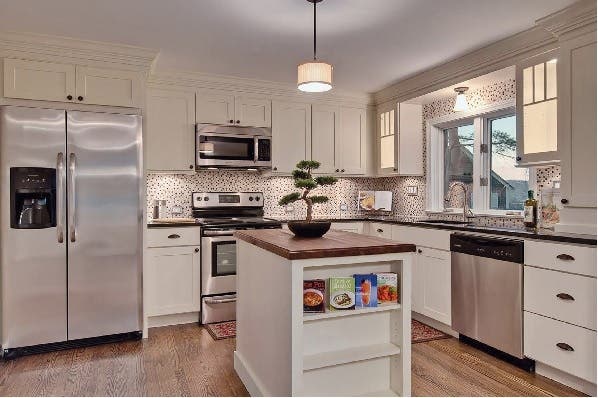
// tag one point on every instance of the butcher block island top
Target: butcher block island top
(339, 351)
(333, 244)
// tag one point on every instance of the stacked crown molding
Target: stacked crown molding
(81, 52)
(503, 53)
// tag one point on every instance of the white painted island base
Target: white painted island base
(282, 352)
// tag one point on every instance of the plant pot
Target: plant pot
(309, 229)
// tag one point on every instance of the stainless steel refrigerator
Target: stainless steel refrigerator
(70, 228)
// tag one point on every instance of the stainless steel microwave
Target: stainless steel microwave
(233, 147)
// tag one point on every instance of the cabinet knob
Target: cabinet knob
(274, 168)
(80, 98)
(196, 250)
(420, 251)
(69, 97)
(564, 201)
(343, 170)
(565, 346)
(394, 169)
(231, 121)
(379, 230)
(191, 166)
(337, 170)
(518, 158)
(238, 121)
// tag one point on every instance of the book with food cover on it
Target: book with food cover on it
(313, 295)
(366, 290)
(388, 287)
(341, 293)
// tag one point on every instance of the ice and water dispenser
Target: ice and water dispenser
(32, 197)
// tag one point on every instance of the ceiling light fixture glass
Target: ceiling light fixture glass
(314, 76)
(461, 102)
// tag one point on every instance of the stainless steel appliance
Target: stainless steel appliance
(219, 214)
(70, 228)
(233, 147)
(487, 291)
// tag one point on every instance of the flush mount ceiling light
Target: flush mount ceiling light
(314, 76)
(461, 102)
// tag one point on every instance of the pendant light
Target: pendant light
(461, 102)
(314, 76)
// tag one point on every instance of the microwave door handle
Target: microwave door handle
(256, 142)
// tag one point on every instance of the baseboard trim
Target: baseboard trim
(434, 323)
(172, 319)
(565, 378)
(251, 382)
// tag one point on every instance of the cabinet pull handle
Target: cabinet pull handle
(380, 230)
(565, 347)
(565, 296)
(565, 257)
(174, 236)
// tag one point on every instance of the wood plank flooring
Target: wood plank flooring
(185, 361)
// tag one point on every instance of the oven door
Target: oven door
(218, 265)
(228, 150)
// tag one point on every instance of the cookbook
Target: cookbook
(341, 293)
(313, 295)
(366, 290)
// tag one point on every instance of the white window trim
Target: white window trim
(435, 158)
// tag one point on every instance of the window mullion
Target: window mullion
(479, 192)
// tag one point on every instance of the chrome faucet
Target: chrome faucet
(466, 211)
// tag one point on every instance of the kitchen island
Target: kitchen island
(283, 352)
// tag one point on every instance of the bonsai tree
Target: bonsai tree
(304, 180)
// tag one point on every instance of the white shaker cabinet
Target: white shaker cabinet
(253, 111)
(48, 81)
(170, 130)
(577, 120)
(387, 139)
(291, 134)
(350, 142)
(432, 284)
(227, 107)
(411, 152)
(325, 128)
(44, 81)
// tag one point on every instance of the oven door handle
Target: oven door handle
(218, 234)
(221, 301)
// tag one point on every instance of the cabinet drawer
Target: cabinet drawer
(577, 301)
(426, 237)
(164, 237)
(561, 257)
(541, 336)
(381, 230)
(355, 227)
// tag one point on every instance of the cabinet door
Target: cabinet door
(170, 127)
(291, 135)
(325, 127)
(411, 151)
(216, 107)
(577, 120)
(253, 111)
(101, 86)
(434, 267)
(537, 110)
(350, 143)
(387, 138)
(44, 81)
(173, 281)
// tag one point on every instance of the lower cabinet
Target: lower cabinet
(172, 279)
(356, 227)
(431, 293)
(380, 230)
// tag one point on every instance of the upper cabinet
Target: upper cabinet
(537, 110)
(291, 134)
(47, 81)
(325, 128)
(170, 130)
(400, 139)
(225, 107)
(577, 120)
(350, 143)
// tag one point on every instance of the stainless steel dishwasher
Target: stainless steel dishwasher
(487, 291)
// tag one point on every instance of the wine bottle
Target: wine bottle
(530, 211)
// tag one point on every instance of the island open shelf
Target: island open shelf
(282, 351)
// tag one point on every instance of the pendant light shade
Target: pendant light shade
(461, 104)
(314, 76)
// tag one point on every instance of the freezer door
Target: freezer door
(32, 261)
(104, 224)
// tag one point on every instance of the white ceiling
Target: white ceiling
(371, 43)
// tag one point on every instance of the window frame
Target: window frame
(481, 119)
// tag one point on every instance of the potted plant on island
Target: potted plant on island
(308, 228)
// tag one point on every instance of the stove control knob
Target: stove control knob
(251, 198)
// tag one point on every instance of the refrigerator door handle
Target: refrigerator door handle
(72, 200)
(60, 197)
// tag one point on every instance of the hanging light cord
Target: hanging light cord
(315, 30)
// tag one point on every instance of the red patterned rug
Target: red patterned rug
(222, 330)
(421, 333)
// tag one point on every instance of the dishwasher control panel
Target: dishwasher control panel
(497, 248)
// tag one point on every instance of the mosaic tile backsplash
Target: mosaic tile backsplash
(176, 189)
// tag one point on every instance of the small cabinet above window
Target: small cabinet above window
(537, 110)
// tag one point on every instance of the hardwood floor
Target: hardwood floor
(185, 361)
